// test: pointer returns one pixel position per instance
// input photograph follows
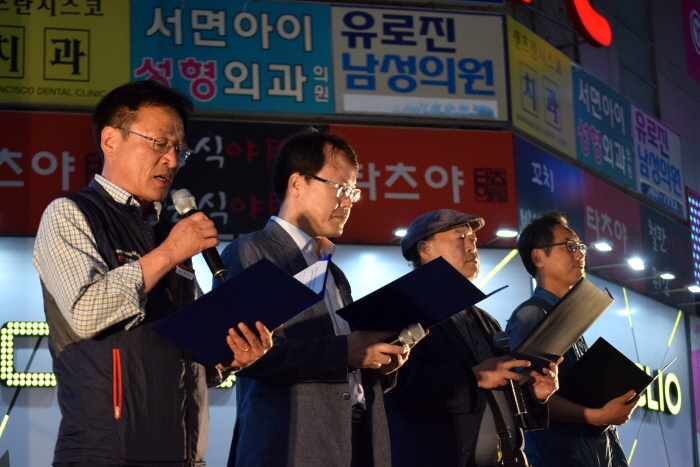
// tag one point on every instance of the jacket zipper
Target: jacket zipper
(117, 383)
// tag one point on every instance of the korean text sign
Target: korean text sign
(603, 129)
(44, 156)
(419, 62)
(242, 56)
(407, 172)
(666, 245)
(546, 183)
(228, 173)
(540, 88)
(65, 53)
(614, 217)
(659, 167)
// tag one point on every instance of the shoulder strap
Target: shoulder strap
(507, 455)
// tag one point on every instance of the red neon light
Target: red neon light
(589, 23)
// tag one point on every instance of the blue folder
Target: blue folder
(427, 295)
(263, 292)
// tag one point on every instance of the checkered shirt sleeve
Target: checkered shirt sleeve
(90, 296)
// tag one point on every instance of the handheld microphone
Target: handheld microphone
(501, 340)
(185, 205)
(408, 335)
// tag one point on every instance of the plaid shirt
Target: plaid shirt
(90, 296)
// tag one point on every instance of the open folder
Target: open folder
(263, 292)
(573, 314)
(426, 295)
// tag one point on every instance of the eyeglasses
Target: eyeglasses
(163, 145)
(344, 191)
(571, 246)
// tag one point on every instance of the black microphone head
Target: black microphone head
(184, 201)
(411, 334)
(501, 340)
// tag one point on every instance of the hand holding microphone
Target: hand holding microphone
(371, 349)
(185, 205)
(408, 335)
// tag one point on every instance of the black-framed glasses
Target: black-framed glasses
(344, 191)
(571, 246)
(163, 145)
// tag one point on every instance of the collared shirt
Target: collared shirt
(332, 297)
(91, 297)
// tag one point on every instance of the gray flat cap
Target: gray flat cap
(434, 222)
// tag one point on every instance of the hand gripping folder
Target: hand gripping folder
(263, 292)
(573, 314)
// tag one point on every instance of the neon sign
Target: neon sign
(661, 393)
(590, 24)
(9, 376)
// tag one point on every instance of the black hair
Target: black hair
(303, 153)
(539, 232)
(120, 106)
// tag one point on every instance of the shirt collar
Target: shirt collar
(545, 295)
(120, 195)
(303, 241)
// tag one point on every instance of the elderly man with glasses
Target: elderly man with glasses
(110, 270)
(315, 399)
(553, 254)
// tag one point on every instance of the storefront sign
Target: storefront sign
(67, 53)
(419, 62)
(238, 56)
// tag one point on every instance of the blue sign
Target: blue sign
(237, 56)
(546, 183)
(666, 248)
(604, 138)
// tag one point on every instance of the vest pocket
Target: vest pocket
(117, 383)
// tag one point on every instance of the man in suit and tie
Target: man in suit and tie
(315, 399)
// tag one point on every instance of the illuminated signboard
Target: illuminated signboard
(9, 376)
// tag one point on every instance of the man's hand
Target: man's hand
(542, 385)
(495, 371)
(397, 360)
(247, 349)
(190, 236)
(365, 350)
(616, 412)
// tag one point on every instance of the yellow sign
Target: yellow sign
(664, 394)
(63, 53)
(540, 89)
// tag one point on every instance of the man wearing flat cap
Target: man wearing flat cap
(450, 406)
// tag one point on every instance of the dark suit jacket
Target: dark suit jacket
(435, 410)
(293, 405)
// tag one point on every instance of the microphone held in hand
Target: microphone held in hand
(501, 341)
(185, 205)
(408, 335)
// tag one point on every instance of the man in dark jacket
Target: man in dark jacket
(553, 254)
(449, 406)
(109, 272)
